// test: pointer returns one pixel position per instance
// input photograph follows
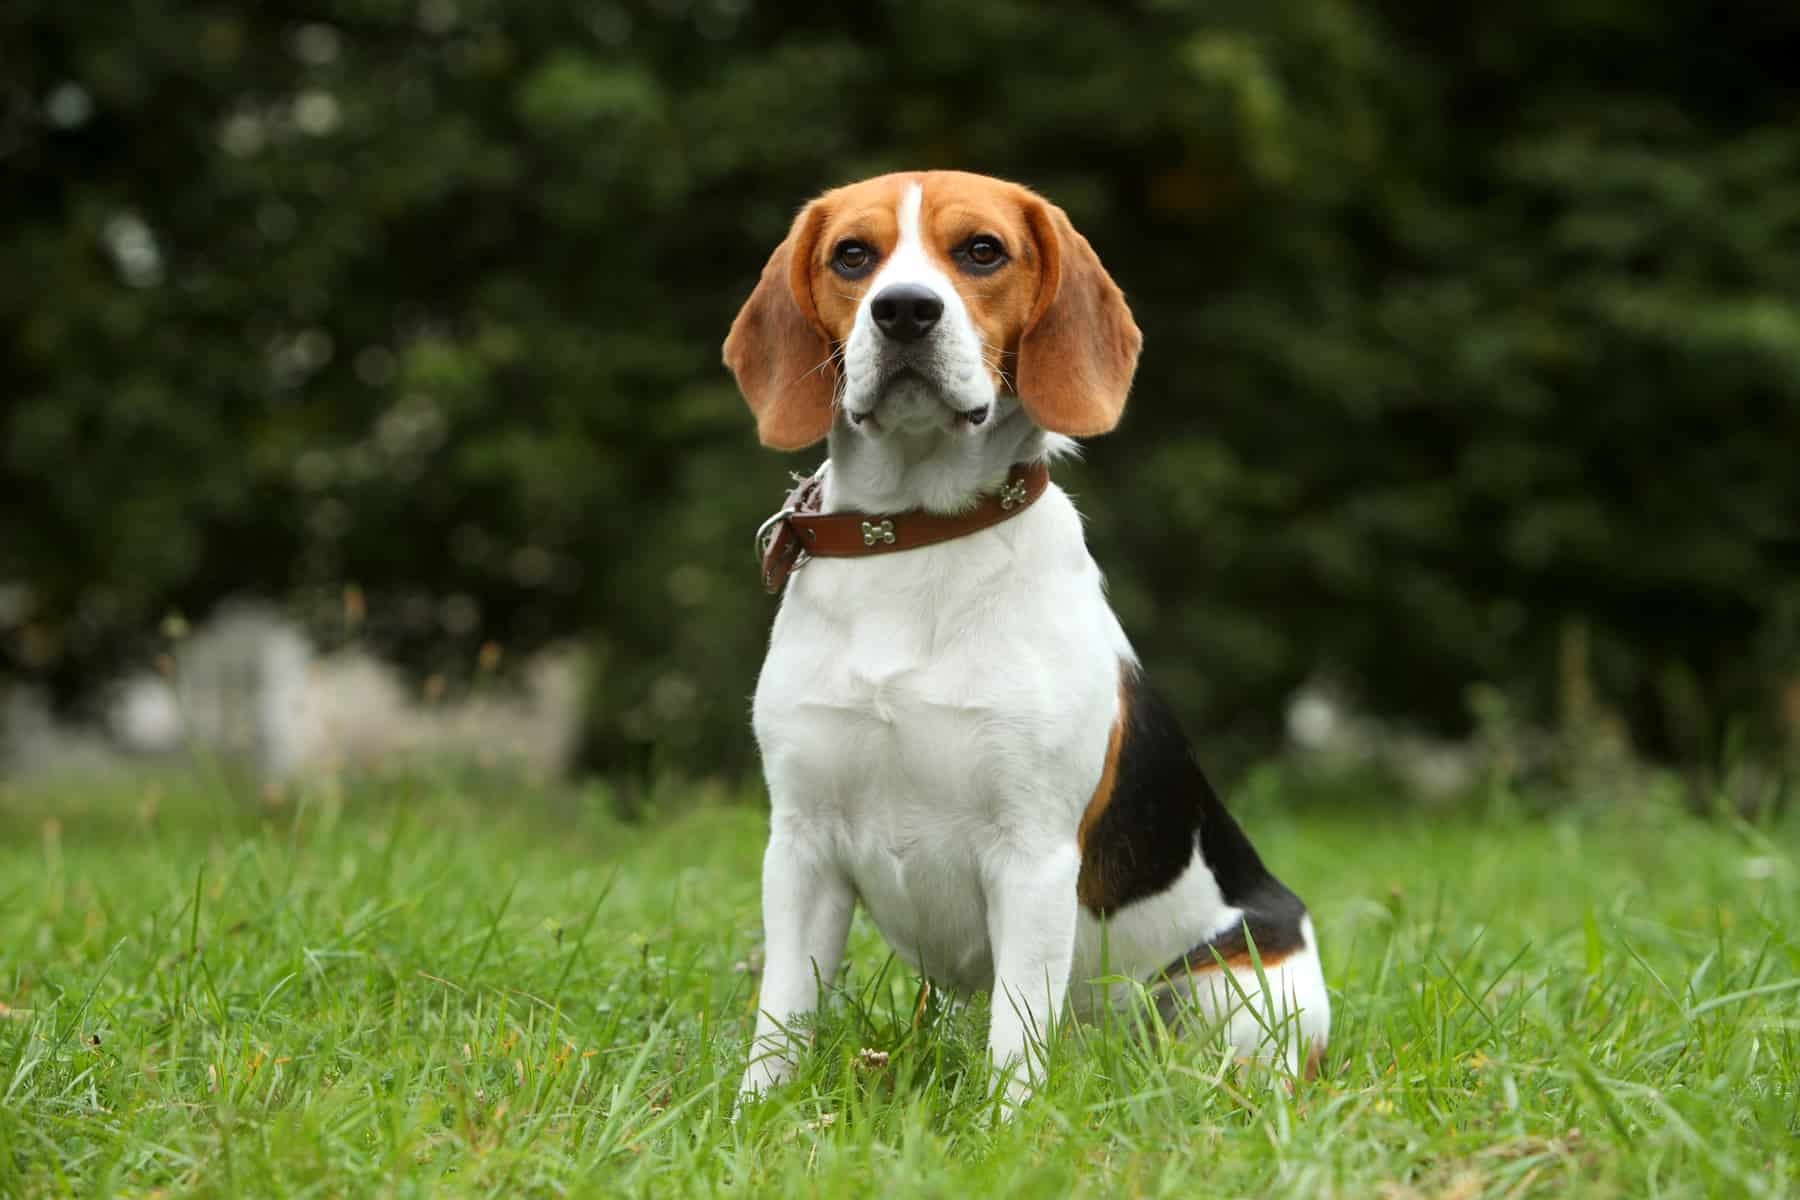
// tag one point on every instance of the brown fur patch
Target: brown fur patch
(1201, 961)
(777, 351)
(1080, 350)
(1275, 940)
(1109, 772)
(1090, 887)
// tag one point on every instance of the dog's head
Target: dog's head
(918, 302)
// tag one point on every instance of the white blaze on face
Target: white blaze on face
(911, 262)
(948, 359)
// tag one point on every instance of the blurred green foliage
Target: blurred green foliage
(1467, 325)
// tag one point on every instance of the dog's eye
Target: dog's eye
(852, 259)
(981, 253)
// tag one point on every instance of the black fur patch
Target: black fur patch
(1160, 807)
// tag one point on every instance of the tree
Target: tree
(1463, 328)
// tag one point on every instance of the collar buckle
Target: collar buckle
(766, 533)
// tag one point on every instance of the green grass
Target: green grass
(446, 985)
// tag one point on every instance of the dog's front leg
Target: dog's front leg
(807, 903)
(1031, 927)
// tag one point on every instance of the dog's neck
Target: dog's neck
(939, 472)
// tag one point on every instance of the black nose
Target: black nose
(906, 311)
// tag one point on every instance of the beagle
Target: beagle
(954, 728)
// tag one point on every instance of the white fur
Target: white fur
(1286, 1020)
(933, 724)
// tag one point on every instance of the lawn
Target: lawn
(444, 984)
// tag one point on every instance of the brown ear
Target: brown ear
(781, 358)
(1080, 347)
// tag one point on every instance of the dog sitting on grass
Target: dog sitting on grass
(954, 728)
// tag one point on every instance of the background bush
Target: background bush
(1472, 331)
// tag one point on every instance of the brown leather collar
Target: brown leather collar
(800, 531)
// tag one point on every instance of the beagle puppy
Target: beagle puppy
(954, 728)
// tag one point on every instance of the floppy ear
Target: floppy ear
(776, 349)
(1080, 347)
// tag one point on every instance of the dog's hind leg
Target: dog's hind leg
(1282, 1015)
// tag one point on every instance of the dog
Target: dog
(954, 729)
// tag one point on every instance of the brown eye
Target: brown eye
(852, 259)
(981, 253)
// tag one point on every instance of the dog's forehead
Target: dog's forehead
(871, 207)
(868, 210)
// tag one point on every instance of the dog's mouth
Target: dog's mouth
(910, 400)
(972, 418)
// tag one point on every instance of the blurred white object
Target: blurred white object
(1322, 724)
(248, 685)
(145, 716)
(241, 687)
(33, 741)
(1313, 718)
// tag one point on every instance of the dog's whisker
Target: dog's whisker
(835, 356)
(814, 370)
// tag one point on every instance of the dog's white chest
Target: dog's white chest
(921, 713)
(887, 763)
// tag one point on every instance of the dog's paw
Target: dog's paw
(1009, 1087)
(766, 1072)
